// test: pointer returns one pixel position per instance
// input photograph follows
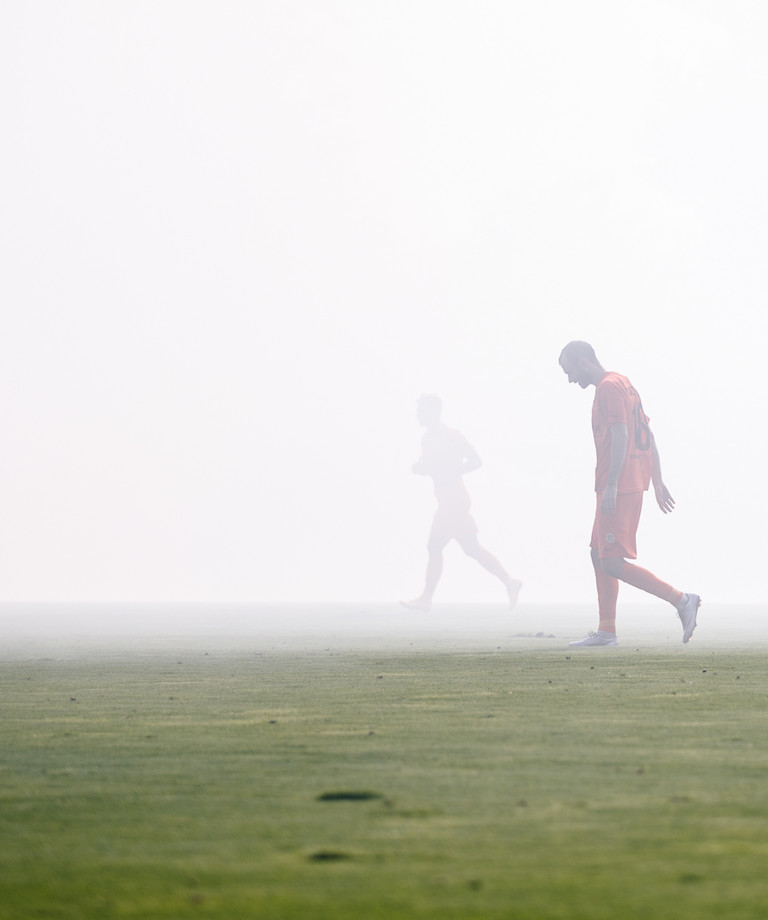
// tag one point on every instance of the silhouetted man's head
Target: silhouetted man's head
(429, 408)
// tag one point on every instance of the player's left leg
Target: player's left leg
(439, 537)
(423, 602)
(471, 546)
(641, 578)
(607, 595)
(687, 605)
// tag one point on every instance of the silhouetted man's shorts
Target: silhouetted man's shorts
(450, 524)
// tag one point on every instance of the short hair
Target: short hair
(431, 401)
(577, 349)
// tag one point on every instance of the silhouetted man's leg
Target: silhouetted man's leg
(471, 546)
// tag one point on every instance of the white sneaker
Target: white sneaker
(687, 614)
(599, 638)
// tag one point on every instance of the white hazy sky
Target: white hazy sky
(239, 239)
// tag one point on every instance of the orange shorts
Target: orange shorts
(614, 535)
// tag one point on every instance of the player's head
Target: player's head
(579, 361)
(429, 408)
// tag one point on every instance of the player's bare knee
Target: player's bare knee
(613, 566)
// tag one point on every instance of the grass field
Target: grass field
(220, 779)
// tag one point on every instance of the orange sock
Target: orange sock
(607, 595)
(647, 581)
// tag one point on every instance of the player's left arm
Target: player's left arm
(663, 498)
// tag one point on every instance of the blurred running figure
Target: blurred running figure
(445, 456)
(627, 462)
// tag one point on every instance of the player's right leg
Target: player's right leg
(607, 597)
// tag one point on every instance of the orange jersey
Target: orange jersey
(617, 401)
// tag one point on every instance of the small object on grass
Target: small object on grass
(348, 795)
(328, 856)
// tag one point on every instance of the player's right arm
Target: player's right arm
(618, 454)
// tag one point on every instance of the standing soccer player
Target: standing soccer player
(627, 463)
(446, 455)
